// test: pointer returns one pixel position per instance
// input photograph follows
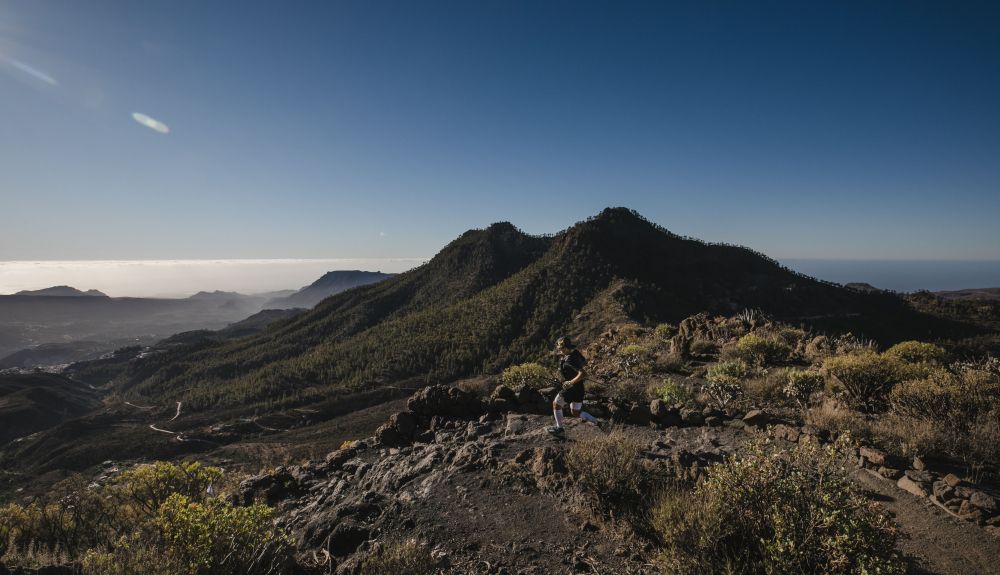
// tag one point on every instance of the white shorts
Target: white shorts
(562, 403)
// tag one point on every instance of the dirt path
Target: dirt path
(939, 543)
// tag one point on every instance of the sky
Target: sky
(184, 129)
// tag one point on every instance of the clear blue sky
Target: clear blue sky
(385, 129)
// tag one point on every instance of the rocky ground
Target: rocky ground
(490, 493)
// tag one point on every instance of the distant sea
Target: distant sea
(903, 275)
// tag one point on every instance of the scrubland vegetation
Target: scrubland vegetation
(161, 518)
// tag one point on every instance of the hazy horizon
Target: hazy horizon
(183, 278)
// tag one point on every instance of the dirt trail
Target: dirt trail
(939, 543)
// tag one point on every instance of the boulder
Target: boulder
(971, 513)
(890, 472)
(907, 484)
(335, 459)
(405, 422)
(943, 491)
(692, 417)
(872, 455)
(445, 401)
(756, 418)
(919, 476)
(918, 464)
(638, 415)
(346, 537)
(984, 502)
(531, 400)
(952, 480)
(657, 410)
(388, 436)
(504, 393)
(786, 432)
(713, 421)
(617, 413)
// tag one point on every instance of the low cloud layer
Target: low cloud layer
(181, 278)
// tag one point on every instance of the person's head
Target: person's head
(564, 344)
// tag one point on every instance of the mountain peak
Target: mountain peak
(62, 291)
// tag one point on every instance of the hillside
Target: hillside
(331, 283)
(497, 296)
(32, 402)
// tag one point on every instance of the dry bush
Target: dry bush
(797, 512)
(668, 362)
(766, 387)
(399, 557)
(610, 467)
(838, 420)
(725, 382)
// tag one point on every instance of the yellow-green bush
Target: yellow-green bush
(664, 331)
(154, 519)
(761, 513)
(947, 396)
(800, 384)
(725, 381)
(635, 359)
(531, 374)
(215, 537)
(670, 391)
(759, 350)
(917, 352)
(863, 379)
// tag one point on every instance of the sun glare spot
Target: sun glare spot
(151, 123)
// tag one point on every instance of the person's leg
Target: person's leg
(577, 409)
(557, 412)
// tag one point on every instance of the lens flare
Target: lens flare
(31, 71)
(151, 123)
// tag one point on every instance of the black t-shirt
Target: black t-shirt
(569, 366)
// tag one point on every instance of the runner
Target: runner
(571, 363)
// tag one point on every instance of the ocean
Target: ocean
(903, 275)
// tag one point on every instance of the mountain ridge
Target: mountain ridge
(495, 296)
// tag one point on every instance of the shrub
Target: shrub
(837, 419)
(217, 538)
(671, 392)
(610, 467)
(156, 519)
(409, 557)
(531, 374)
(917, 352)
(863, 379)
(664, 331)
(668, 362)
(635, 359)
(956, 399)
(757, 350)
(800, 384)
(766, 387)
(797, 512)
(725, 381)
